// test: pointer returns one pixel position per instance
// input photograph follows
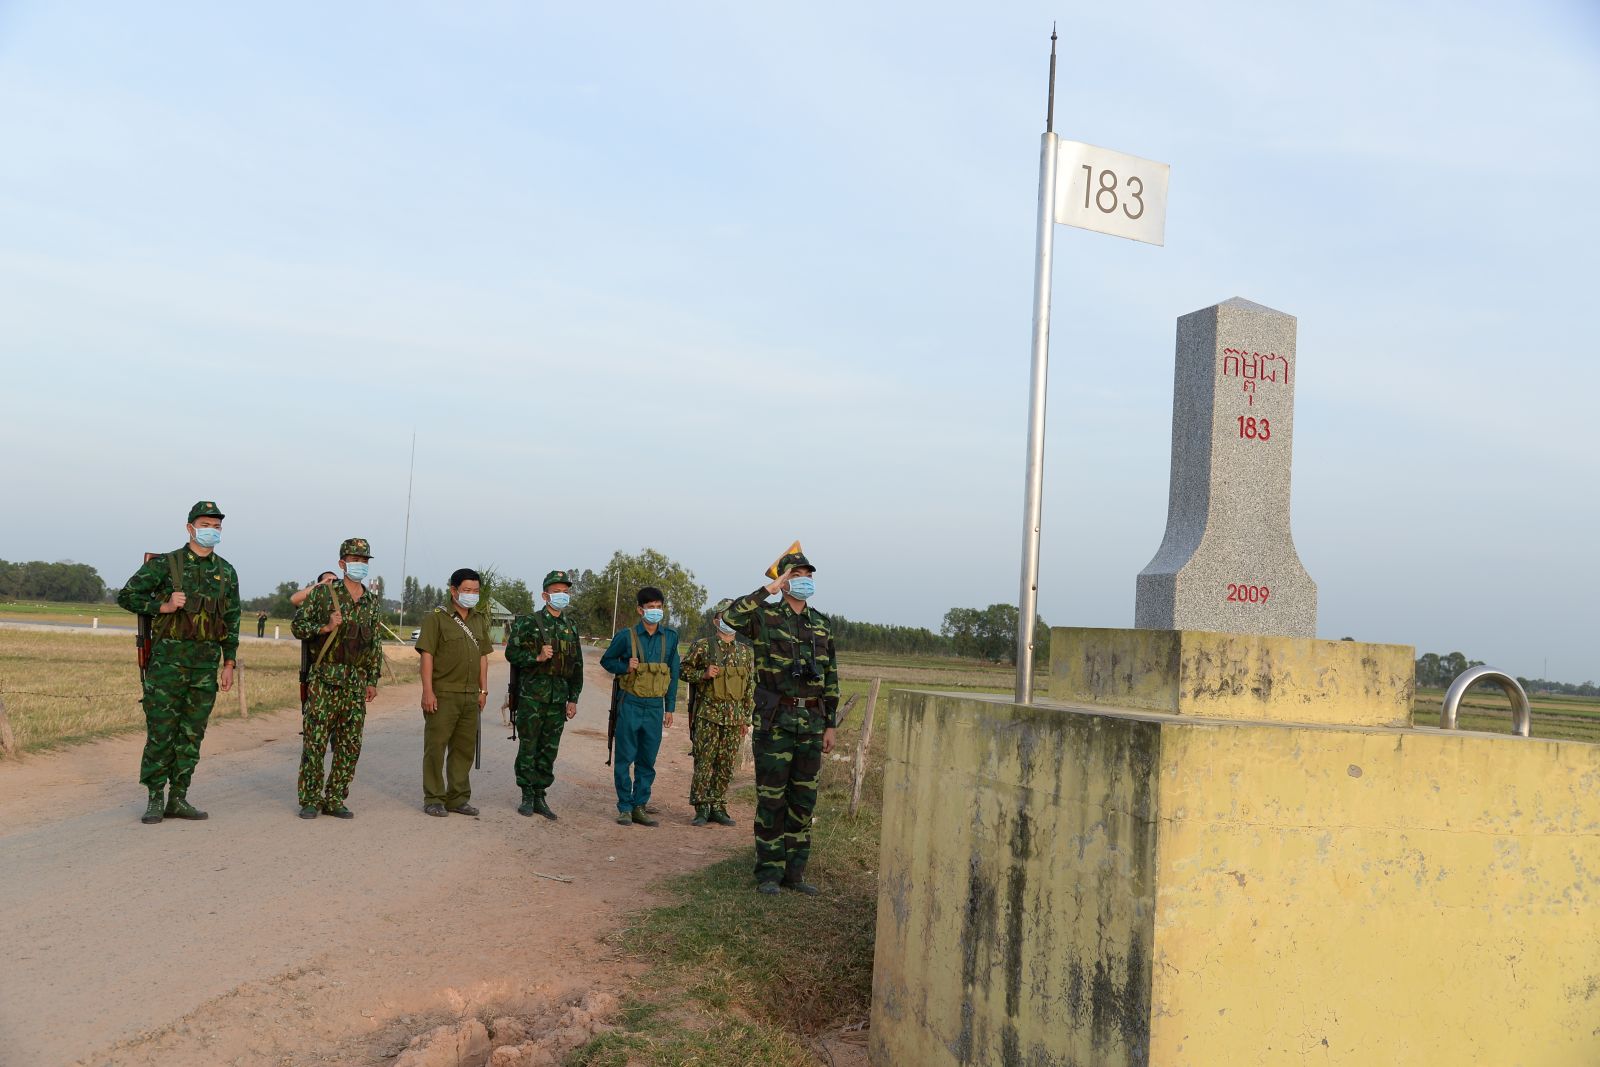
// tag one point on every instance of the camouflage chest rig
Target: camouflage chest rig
(203, 616)
(348, 642)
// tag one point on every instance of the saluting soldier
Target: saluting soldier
(192, 595)
(544, 649)
(797, 711)
(341, 621)
(722, 671)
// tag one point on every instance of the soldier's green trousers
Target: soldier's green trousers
(336, 714)
(539, 729)
(449, 741)
(716, 750)
(787, 766)
(177, 705)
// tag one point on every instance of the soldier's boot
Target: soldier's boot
(542, 806)
(700, 816)
(337, 809)
(308, 811)
(178, 807)
(641, 817)
(624, 818)
(527, 806)
(767, 888)
(719, 815)
(795, 879)
(155, 809)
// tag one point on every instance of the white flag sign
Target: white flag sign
(1111, 192)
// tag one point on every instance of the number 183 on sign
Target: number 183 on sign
(1111, 192)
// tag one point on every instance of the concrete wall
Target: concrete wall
(1085, 888)
(1234, 676)
(1016, 908)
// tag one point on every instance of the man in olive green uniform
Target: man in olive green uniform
(543, 648)
(192, 597)
(797, 710)
(721, 669)
(455, 651)
(341, 620)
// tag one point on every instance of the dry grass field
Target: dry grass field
(69, 687)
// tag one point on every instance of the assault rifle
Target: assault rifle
(697, 695)
(513, 689)
(611, 721)
(145, 639)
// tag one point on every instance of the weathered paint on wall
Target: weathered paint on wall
(1094, 889)
(1234, 676)
(1016, 903)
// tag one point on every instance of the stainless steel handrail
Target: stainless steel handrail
(1521, 713)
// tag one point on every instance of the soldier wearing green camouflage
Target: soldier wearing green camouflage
(722, 670)
(544, 649)
(192, 596)
(796, 710)
(343, 621)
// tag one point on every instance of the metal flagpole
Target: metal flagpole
(405, 552)
(1033, 491)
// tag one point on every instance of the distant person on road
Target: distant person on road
(722, 671)
(192, 595)
(455, 651)
(797, 711)
(644, 657)
(340, 620)
(543, 648)
(261, 624)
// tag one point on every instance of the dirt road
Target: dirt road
(259, 938)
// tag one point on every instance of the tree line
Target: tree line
(77, 583)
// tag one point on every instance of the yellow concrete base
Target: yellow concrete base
(1234, 676)
(1095, 888)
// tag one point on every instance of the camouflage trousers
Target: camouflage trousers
(539, 729)
(177, 706)
(334, 715)
(716, 750)
(787, 766)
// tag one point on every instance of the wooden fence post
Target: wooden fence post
(8, 740)
(238, 683)
(859, 771)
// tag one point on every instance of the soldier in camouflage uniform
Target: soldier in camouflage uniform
(544, 649)
(342, 621)
(796, 709)
(722, 670)
(192, 596)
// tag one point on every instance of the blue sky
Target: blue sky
(709, 277)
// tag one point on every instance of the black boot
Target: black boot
(795, 878)
(700, 816)
(178, 807)
(154, 811)
(719, 815)
(528, 806)
(542, 806)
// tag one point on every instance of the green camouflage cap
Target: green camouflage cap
(722, 605)
(204, 508)
(793, 559)
(556, 576)
(355, 546)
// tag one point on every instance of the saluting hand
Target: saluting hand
(175, 602)
(780, 583)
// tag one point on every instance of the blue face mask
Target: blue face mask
(653, 615)
(467, 600)
(803, 587)
(356, 570)
(559, 601)
(724, 627)
(207, 536)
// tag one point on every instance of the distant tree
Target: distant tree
(76, 583)
(516, 596)
(991, 633)
(595, 592)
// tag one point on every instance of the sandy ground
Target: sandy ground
(258, 938)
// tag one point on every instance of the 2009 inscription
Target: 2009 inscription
(1248, 594)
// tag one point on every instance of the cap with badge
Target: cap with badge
(355, 546)
(556, 578)
(204, 509)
